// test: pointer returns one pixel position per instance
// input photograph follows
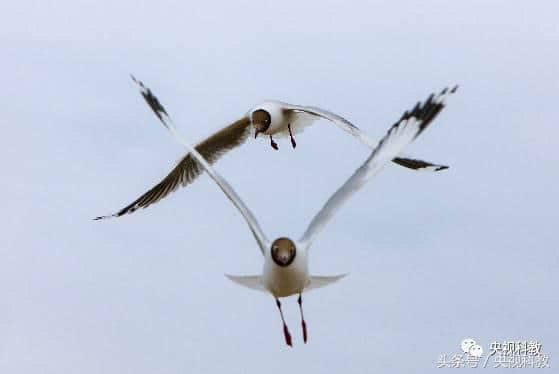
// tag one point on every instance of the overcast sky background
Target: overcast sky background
(434, 258)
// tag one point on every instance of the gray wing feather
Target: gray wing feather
(188, 169)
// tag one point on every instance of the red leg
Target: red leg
(286, 333)
(300, 302)
(293, 144)
(273, 143)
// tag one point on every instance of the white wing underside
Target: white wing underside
(254, 282)
(306, 115)
(299, 122)
(339, 121)
(398, 137)
(401, 134)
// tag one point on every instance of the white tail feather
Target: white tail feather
(254, 282)
(318, 281)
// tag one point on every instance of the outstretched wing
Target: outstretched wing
(409, 162)
(187, 169)
(402, 133)
(221, 182)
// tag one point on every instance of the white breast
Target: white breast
(282, 117)
(289, 280)
(277, 114)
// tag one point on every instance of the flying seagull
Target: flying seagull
(285, 271)
(270, 118)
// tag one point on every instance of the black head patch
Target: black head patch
(283, 251)
(261, 120)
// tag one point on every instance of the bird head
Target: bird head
(283, 251)
(261, 121)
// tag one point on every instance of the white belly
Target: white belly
(298, 122)
(286, 281)
(281, 117)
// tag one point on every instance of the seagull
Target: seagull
(270, 118)
(285, 271)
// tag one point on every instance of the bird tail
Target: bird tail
(254, 282)
(319, 281)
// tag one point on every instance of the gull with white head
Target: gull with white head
(285, 271)
(270, 118)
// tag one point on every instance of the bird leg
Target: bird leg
(300, 302)
(286, 333)
(273, 143)
(293, 144)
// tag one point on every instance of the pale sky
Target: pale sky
(433, 258)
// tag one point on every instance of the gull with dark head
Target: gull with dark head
(270, 118)
(285, 271)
